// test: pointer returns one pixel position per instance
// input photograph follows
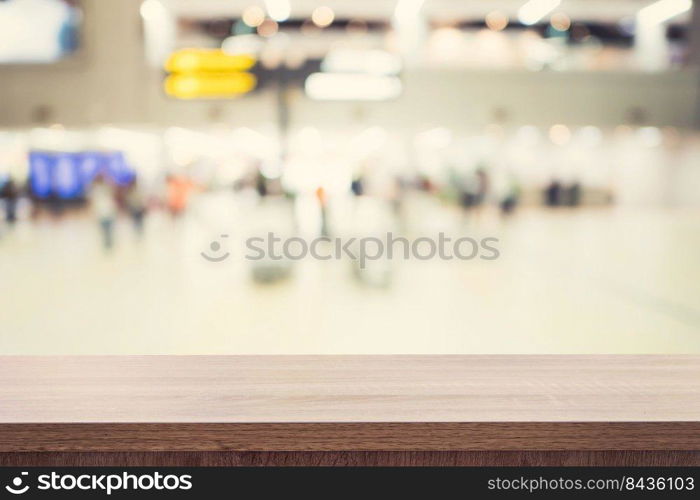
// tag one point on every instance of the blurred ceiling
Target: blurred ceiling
(437, 10)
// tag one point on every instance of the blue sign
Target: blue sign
(69, 175)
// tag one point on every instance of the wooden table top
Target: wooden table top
(434, 402)
(349, 388)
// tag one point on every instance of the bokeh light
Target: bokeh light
(253, 16)
(496, 20)
(323, 16)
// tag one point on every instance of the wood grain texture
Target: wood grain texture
(350, 410)
(356, 458)
(367, 436)
(249, 389)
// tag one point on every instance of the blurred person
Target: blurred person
(357, 186)
(553, 194)
(56, 205)
(474, 190)
(322, 198)
(397, 195)
(260, 184)
(571, 194)
(482, 186)
(179, 189)
(10, 193)
(135, 200)
(104, 204)
(403, 186)
(426, 184)
(510, 199)
(467, 192)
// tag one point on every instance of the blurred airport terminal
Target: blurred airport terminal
(143, 143)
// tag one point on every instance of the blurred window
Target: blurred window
(37, 31)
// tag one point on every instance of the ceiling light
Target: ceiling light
(534, 10)
(352, 87)
(323, 16)
(253, 16)
(663, 10)
(496, 20)
(279, 10)
(560, 21)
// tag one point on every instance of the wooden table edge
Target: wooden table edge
(358, 436)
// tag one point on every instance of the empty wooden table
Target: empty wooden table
(350, 410)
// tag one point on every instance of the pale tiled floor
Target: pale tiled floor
(584, 281)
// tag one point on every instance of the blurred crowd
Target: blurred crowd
(106, 200)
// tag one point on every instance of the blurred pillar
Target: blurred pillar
(694, 49)
(111, 80)
(283, 111)
(159, 30)
(650, 45)
(411, 29)
(694, 55)
(101, 83)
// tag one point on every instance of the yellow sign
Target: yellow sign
(208, 74)
(207, 60)
(209, 85)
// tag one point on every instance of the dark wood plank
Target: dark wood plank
(364, 436)
(356, 458)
